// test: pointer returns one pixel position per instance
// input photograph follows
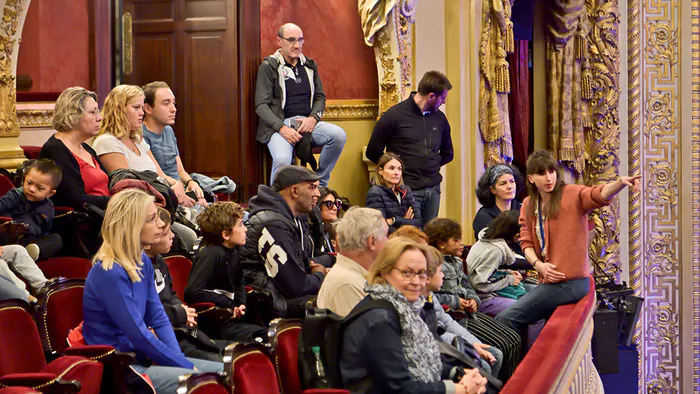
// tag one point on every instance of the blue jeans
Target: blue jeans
(427, 202)
(540, 302)
(329, 136)
(496, 367)
(165, 379)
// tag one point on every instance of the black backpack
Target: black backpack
(324, 329)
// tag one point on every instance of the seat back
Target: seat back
(67, 267)
(249, 369)
(20, 344)
(284, 337)
(179, 267)
(61, 310)
(5, 185)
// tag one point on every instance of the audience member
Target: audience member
(491, 358)
(387, 351)
(389, 195)
(31, 205)
(277, 254)
(290, 101)
(159, 117)
(326, 211)
(497, 190)
(10, 291)
(193, 342)
(121, 145)
(456, 292)
(417, 131)
(554, 237)
(362, 233)
(217, 275)
(120, 301)
(497, 288)
(15, 263)
(76, 119)
(412, 233)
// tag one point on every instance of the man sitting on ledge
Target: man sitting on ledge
(290, 101)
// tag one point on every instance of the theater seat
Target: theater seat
(67, 267)
(31, 152)
(60, 310)
(209, 317)
(284, 337)
(203, 383)
(5, 185)
(19, 390)
(23, 363)
(249, 369)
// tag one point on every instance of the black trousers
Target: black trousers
(49, 245)
(492, 332)
(243, 332)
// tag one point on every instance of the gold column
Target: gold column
(14, 12)
(388, 28)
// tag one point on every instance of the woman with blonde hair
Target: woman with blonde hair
(120, 144)
(387, 351)
(120, 301)
(390, 196)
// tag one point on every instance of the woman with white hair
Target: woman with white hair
(120, 301)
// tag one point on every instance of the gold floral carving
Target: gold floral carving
(602, 126)
(388, 86)
(351, 109)
(654, 152)
(34, 118)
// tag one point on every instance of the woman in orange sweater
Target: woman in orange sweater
(554, 237)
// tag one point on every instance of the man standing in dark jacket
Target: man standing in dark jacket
(289, 99)
(277, 255)
(417, 131)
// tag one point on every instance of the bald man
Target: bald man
(290, 101)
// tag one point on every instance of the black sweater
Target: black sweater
(423, 142)
(71, 191)
(216, 267)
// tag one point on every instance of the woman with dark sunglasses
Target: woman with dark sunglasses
(329, 210)
(389, 195)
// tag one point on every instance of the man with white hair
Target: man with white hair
(362, 234)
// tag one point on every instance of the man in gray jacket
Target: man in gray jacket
(290, 101)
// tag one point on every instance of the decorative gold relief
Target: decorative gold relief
(351, 109)
(34, 118)
(597, 41)
(695, 191)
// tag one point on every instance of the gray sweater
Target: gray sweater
(484, 258)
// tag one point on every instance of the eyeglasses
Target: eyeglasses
(408, 275)
(337, 204)
(294, 40)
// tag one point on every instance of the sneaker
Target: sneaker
(33, 250)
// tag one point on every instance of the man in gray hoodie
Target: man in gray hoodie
(289, 99)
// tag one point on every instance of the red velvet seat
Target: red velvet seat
(19, 390)
(31, 152)
(23, 363)
(250, 369)
(67, 267)
(5, 185)
(208, 314)
(284, 337)
(60, 311)
(203, 383)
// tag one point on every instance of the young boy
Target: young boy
(217, 275)
(491, 357)
(183, 318)
(30, 204)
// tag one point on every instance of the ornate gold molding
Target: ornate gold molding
(602, 126)
(695, 188)
(351, 109)
(34, 118)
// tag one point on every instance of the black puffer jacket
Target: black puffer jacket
(278, 250)
(384, 199)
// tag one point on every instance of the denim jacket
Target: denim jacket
(455, 285)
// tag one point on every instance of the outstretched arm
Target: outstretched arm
(611, 189)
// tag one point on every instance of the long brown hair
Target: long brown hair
(539, 163)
